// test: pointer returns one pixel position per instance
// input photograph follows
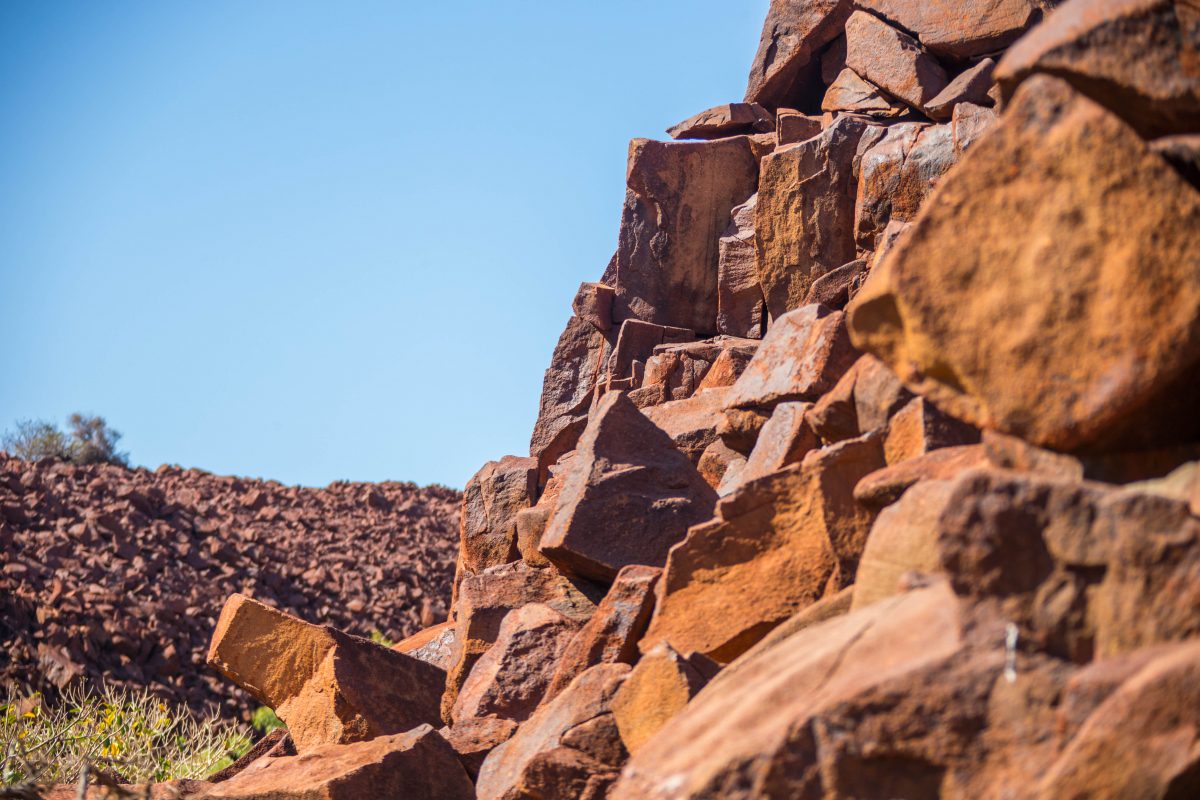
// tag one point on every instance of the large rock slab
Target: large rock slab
(629, 494)
(786, 70)
(578, 363)
(691, 423)
(612, 634)
(1088, 342)
(851, 94)
(328, 687)
(491, 500)
(579, 721)
(804, 216)
(803, 355)
(677, 206)
(1135, 57)
(510, 679)
(660, 686)
(778, 544)
(892, 60)
(960, 29)
(417, 765)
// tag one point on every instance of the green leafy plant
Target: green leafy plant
(381, 639)
(89, 441)
(126, 734)
(264, 720)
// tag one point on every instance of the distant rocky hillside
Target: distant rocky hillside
(121, 573)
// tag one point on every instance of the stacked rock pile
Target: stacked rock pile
(119, 573)
(867, 470)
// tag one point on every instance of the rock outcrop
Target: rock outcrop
(871, 468)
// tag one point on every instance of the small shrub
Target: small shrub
(378, 637)
(264, 720)
(90, 441)
(125, 733)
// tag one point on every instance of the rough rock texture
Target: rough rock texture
(740, 303)
(970, 86)
(1083, 343)
(804, 215)
(892, 60)
(730, 119)
(778, 544)
(120, 574)
(658, 688)
(403, 766)
(327, 687)
(786, 62)
(852, 94)
(677, 206)
(490, 505)
(625, 468)
(959, 29)
(1138, 58)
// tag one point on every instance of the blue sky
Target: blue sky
(318, 241)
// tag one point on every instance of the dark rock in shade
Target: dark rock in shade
(852, 94)
(677, 206)
(579, 361)
(1182, 152)
(804, 217)
(1137, 58)
(970, 86)
(635, 344)
(786, 69)
(1091, 343)
(892, 60)
(833, 289)
(627, 470)
(474, 738)
(730, 119)
(691, 423)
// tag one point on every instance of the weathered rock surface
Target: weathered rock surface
(892, 60)
(730, 119)
(625, 469)
(433, 645)
(959, 29)
(593, 304)
(792, 127)
(778, 544)
(404, 766)
(490, 505)
(786, 64)
(1137, 58)
(741, 307)
(691, 423)
(579, 721)
(802, 356)
(852, 94)
(1088, 342)
(677, 206)
(804, 215)
(970, 86)
(327, 686)
(612, 633)
(658, 688)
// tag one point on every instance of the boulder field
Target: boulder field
(869, 468)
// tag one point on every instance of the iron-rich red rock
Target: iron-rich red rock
(593, 304)
(625, 469)
(658, 688)
(970, 86)
(851, 94)
(490, 504)
(691, 423)
(635, 345)
(786, 69)
(960, 29)
(730, 119)
(792, 126)
(741, 309)
(892, 60)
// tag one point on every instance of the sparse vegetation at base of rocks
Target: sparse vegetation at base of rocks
(264, 720)
(127, 735)
(89, 440)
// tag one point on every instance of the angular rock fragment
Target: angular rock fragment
(720, 466)
(635, 344)
(970, 86)
(835, 288)
(485, 599)
(785, 439)
(851, 94)
(657, 689)
(490, 504)
(730, 119)
(579, 361)
(593, 304)
(892, 60)
(627, 470)
(969, 123)
(804, 216)
(679, 198)
(729, 365)
(802, 356)
(778, 544)
(792, 127)
(683, 369)
(1089, 342)
(885, 486)
(579, 721)
(403, 766)
(691, 423)
(1137, 58)
(474, 738)
(959, 29)
(740, 304)
(611, 635)
(510, 679)
(786, 69)
(739, 428)
(327, 686)
(920, 428)
(434, 645)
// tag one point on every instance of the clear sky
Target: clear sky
(313, 241)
